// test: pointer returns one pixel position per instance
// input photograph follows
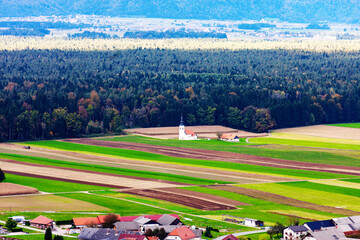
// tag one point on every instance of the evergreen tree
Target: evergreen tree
(48, 234)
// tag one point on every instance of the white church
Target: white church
(186, 134)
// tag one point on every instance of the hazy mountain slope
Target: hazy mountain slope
(290, 10)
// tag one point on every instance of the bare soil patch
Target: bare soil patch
(222, 156)
(15, 189)
(46, 203)
(181, 199)
(271, 197)
(204, 196)
(325, 131)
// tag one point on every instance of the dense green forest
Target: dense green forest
(54, 93)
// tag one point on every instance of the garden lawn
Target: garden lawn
(319, 197)
(144, 156)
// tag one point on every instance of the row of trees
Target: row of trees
(55, 93)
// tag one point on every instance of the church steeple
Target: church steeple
(181, 121)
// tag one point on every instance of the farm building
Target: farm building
(245, 221)
(181, 233)
(42, 222)
(230, 237)
(319, 225)
(167, 219)
(328, 234)
(186, 134)
(108, 234)
(295, 232)
(229, 137)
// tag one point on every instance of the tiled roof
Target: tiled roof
(228, 136)
(86, 221)
(154, 217)
(166, 219)
(230, 237)
(300, 228)
(41, 220)
(183, 232)
(190, 132)
(131, 237)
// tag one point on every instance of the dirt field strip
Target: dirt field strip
(189, 201)
(221, 156)
(7, 189)
(82, 175)
(203, 196)
(190, 171)
(46, 203)
(271, 197)
(325, 131)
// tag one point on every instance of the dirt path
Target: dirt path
(222, 156)
(283, 200)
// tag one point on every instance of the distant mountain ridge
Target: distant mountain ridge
(287, 10)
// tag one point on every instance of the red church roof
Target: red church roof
(190, 132)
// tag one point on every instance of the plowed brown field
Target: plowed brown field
(271, 197)
(222, 156)
(189, 201)
(15, 189)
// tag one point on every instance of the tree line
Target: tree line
(54, 93)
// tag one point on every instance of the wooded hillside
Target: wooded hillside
(47, 93)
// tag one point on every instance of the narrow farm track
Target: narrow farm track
(82, 176)
(283, 200)
(221, 156)
(185, 200)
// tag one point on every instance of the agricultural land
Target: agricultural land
(310, 174)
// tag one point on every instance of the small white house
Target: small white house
(18, 218)
(186, 134)
(253, 222)
(295, 232)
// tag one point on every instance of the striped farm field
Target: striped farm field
(319, 197)
(288, 174)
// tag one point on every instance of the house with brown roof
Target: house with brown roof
(42, 222)
(229, 137)
(181, 233)
(230, 237)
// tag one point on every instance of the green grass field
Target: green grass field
(143, 156)
(349, 125)
(296, 153)
(321, 197)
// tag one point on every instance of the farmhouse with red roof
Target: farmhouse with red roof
(181, 233)
(42, 222)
